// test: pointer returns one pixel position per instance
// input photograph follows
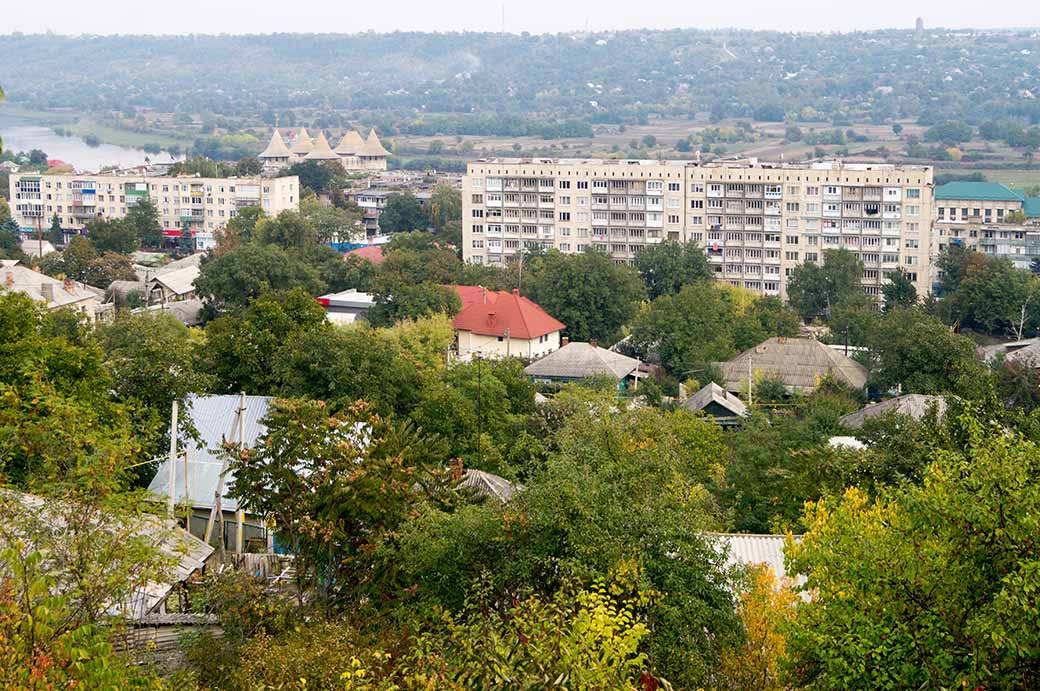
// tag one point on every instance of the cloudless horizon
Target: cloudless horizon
(73, 17)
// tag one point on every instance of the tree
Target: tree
(10, 240)
(186, 241)
(288, 230)
(143, 217)
(897, 128)
(73, 262)
(994, 296)
(5, 210)
(402, 212)
(668, 266)
(899, 291)
(239, 229)
(1034, 266)
(55, 234)
(108, 267)
(331, 223)
(588, 292)
(704, 323)
(920, 354)
(397, 301)
(334, 487)
(814, 290)
(233, 279)
(953, 263)
(931, 585)
(318, 176)
(112, 235)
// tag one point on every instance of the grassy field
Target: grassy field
(83, 125)
(1017, 178)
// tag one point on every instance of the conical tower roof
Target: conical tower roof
(321, 151)
(351, 143)
(276, 148)
(302, 144)
(373, 147)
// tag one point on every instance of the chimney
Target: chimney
(565, 341)
(491, 319)
(68, 285)
(9, 279)
(516, 291)
(594, 343)
(483, 294)
(457, 470)
(47, 291)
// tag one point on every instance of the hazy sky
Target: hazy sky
(536, 16)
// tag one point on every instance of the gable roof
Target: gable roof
(351, 143)
(713, 393)
(579, 360)
(487, 485)
(321, 151)
(744, 549)
(179, 281)
(302, 143)
(373, 253)
(800, 362)
(912, 405)
(214, 419)
(276, 148)
(1028, 356)
(42, 288)
(373, 147)
(978, 191)
(511, 314)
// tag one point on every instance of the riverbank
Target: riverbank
(87, 125)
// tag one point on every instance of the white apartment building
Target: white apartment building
(205, 204)
(755, 220)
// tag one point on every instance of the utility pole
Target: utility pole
(172, 460)
(39, 233)
(480, 420)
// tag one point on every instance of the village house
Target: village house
(503, 324)
(576, 360)
(800, 363)
(52, 292)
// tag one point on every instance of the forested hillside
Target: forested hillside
(510, 81)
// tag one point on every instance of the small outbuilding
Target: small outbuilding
(715, 402)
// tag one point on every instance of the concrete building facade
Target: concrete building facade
(755, 220)
(204, 204)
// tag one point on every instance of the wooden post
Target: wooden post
(172, 478)
(187, 496)
(241, 516)
(217, 510)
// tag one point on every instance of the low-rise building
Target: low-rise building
(347, 306)
(800, 363)
(173, 286)
(54, 293)
(717, 403)
(508, 326)
(576, 360)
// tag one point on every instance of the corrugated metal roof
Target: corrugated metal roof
(214, 418)
(977, 191)
(747, 549)
(487, 485)
(1031, 207)
(179, 282)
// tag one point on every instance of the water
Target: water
(18, 135)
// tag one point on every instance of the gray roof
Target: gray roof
(32, 247)
(800, 362)
(1028, 356)
(713, 393)
(487, 485)
(42, 288)
(185, 552)
(214, 419)
(745, 549)
(187, 312)
(990, 352)
(179, 282)
(913, 405)
(578, 360)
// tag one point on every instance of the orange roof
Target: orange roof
(475, 295)
(373, 253)
(509, 313)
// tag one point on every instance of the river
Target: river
(20, 135)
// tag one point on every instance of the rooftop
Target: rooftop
(800, 362)
(579, 360)
(373, 253)
(510, 315)
(713, 393)
(912, 405)
(977, 191)
(721, 163)
(42, 288)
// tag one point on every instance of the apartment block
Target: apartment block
(756, 221)
(204, 204)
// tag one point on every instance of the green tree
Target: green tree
(186, 241)
(953, 263)
(588, 292)
(334, 487)
(288, 230)
(929, 586)
(814, 290)
(143, 217)
(396, 301)
(239, 229)
(995, 297)
(919, 353)
(73, 262)
(445, 207)
(231, 280)
(55, 234)
(402, 212)
(668, 266)
(899, 291)
(108, 267)
(5, 210)
(113, 235)
(10, 240)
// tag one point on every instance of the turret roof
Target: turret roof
(302, 144)
(373, 147)
(352, 143)
(321, 150)
(276, 148)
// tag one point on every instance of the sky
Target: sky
(535, 16)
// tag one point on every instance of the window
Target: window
(564, 184)
(673, 187)
(583, 184)
(791, 256)
(478, 199)
(565, 215)
(673, 218)
(792, 239)
(913, 193)
(477, 213)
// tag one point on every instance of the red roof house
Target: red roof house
(475, 295)
(510, 324)
(373, 253)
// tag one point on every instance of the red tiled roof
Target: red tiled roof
(373, 253)
(475, 295)
(510, 312)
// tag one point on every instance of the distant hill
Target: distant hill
(510, 80)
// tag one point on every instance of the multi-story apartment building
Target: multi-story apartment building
(204, 204)
(989, 218)
(756, 221)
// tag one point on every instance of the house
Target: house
(743, 549)
(187, 312)
(800, 363)
(714, 401)
(172, 286)
(483, 485)
(53, 293)
(196, 468)
(474, 295)
(575, 361)
(510, 325)
(347, 306)
(912, 405)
